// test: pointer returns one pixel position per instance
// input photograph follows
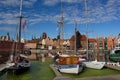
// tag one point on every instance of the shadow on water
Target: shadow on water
(2, 75)
(38, 71)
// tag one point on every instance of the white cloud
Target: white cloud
(72, 1)
(29, 3)
(15, 3)
(10, 2)
(54, 2)
(8, 18)
(97, 12)
(50, 2)
(8, 29)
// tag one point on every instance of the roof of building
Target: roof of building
(83, 37)
(91, 40)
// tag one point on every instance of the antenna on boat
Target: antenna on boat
(86, 13)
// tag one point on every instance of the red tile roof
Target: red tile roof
(91, 40)
(83, 37)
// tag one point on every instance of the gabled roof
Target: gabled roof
(72, 38)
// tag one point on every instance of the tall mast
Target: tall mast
(61, 23)
(20, 17)
(86, 12)
(75, 50)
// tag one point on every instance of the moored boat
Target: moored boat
(115, 53)
(19, 55)
(69, 64)
(94, 64)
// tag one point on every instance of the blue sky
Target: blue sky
(42, 16)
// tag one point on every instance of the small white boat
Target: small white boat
(94, 64)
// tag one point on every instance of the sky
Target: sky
(43, 15)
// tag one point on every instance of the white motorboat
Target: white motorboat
(94, 64)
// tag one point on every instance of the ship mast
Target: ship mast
(86, 13)
(20, 17)
(75, 27)
(61, 22)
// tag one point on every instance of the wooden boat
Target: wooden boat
(69, 64)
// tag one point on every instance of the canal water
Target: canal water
(38, 71)
(42, 71)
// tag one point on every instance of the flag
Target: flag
(24, 24)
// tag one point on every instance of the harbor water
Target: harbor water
(38, 71)
(42, 71)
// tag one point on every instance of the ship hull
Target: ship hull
(94, 64)
(71, 68)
